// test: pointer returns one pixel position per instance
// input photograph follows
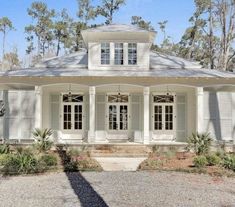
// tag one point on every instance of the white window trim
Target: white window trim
(107, 104)
(174, 104)
(72, 131)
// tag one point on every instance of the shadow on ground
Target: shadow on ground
(86, 194)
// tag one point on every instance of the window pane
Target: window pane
(72, 98)
(118, 98)
(132, 53)
(163, 99)
(118, 54)
(105, 53)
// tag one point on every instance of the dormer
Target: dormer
(118, 47)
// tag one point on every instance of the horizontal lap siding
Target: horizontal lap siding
(218, 114)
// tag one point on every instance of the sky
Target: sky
(177, 12)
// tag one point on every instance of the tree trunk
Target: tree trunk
(58, 47)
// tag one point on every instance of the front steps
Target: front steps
(120, 163)
(120, 151)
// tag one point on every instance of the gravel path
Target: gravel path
(134, 189)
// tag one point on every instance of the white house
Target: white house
(117, 90)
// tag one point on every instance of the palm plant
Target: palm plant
(200, 143)
(42, 138)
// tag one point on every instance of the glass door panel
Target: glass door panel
(163, 117)
(113, 117)
(123, 114)
(67, 122)
(78, 117)
(158, 117)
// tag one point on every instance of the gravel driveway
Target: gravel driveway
(132, 189)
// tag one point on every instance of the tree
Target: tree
(5, 26)
(108, 8)
(140, 22)
(86, 11)
(225, 10)
(11, 60)
(211, 37)
(62, 30)
(42, 29)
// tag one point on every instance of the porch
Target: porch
(101, 114)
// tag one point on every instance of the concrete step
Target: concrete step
(119, 163)
(120, 151)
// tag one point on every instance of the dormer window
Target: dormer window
(132, 53)
(118, 54)
(105, 53)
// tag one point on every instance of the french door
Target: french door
(72, 113)
(117, 112)
(118, 117)
(164, 116)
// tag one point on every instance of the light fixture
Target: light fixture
(70, 94)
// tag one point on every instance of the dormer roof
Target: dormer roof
(118, 29)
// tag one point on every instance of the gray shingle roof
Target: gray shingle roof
(117, 28)
(76, 65)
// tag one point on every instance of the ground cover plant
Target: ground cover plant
(196, 158)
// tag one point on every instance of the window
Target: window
(72, 98)
(118, 54)
(163, 99)
(132, 53)
(105, 53)
(118, 98)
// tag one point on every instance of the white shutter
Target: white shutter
(218, 114)
(181, 117)
(100, 112)
(55, 111)
(27, 114)
(136, 118)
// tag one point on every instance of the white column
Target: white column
(91, 134)
(38, 108)
(146, 115)
(199, 110)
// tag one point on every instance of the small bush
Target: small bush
(151, 164)
(213, 159)
(71, 166)
(200, 143)
(42, 138)
(49, 160)
(4, 149)
(88, 164)
(200, 161)
(4, 159)
(229, 162)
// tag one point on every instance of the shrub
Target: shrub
(229, 162)
(4, 149)
(71, 166)
(4, 159)
(21, 164)
(213, 159)
(88, 164)
(151, 164)
(200, 143)
(49, 160)
(74, 152)
(42, 138)
(200, 161)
